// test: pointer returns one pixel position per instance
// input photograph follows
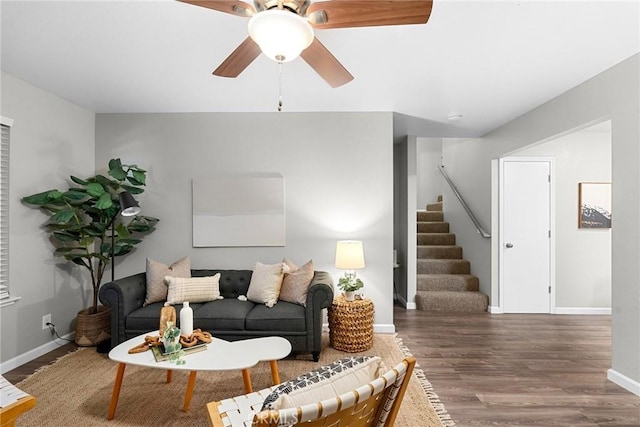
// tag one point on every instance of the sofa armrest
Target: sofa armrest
(320, 296)
(123, 296)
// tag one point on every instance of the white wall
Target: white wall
(50, 140)
(612, 94)
(429, 156)
(583, 256)
(338, 178)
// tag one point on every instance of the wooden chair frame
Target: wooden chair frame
(374, 404)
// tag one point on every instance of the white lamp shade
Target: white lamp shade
(282, 35)
(349, 254)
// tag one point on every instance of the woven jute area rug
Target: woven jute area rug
(76, 390)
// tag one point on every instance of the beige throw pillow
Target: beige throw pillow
(193, 289)
(326, 382)
(156, 272)
(265, 284)
(295, 284)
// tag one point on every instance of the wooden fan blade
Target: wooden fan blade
(325, 64)
(234, 7)
(239, 59)
(355, 13)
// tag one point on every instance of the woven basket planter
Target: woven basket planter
(351, 324)
(92, 329)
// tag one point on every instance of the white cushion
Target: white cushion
(193, 289)
(325, 382)
(156, 272)
(265, 284)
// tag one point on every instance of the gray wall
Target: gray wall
(405, 175)
(429, 178)
(612, 94)
(338, 178)
(50, 140)
(583, 256)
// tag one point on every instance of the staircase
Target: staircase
(444, 279)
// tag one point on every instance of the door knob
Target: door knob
(509, 245)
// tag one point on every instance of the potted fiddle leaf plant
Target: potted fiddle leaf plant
(87, 230)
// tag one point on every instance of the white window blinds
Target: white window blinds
(4, 214)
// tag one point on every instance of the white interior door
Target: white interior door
(526, 236)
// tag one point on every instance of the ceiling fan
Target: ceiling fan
(283, 29)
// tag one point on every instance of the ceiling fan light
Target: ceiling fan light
(282, 35)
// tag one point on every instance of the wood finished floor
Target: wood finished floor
(519, 370)
(505, 370)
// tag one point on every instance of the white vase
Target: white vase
(186, 320)
(349, 295)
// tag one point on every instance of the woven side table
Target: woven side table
(351, 324)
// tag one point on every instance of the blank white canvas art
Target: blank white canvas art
(238, 211)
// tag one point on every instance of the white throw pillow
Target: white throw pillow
(265, 284)
(156, 272)
(193, 289)
(326, 382)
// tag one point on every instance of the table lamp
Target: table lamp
(349, 256)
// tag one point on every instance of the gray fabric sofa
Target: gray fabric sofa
(229, 318)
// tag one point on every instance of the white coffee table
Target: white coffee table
(220, 355)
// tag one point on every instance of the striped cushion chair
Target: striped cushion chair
(373, 404)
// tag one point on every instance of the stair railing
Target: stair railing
(484, 233)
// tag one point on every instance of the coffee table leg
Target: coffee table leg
(116, 391)
(246, 377)
(275, 375)
(190, 385)
(169, 376)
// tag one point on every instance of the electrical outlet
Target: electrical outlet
(46, 319)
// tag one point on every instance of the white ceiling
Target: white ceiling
(490, 61)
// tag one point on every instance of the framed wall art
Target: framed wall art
(242, 210)
(594, 205)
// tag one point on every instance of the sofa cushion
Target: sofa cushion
(282, 317)
(222, 315)
(295, 284)
(156, 272)
(266, 281)
(193, 289)
(146, 318)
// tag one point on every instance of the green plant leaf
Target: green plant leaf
(115, 164)
(79, 181)
(104, 202)
(64, 237)
(40, 198)
(116, 170)
(75, 195)
(140, 176)
(133, 190)
(63, 216)
(95, 190)
(130, 241)
(106, 182)
(134, 181)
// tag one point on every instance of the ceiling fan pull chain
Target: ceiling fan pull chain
(279, 86)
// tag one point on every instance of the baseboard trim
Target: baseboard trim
(583, 310)
(382, 328)
(624, 381)
(406, 304)
(30, 355)
(495, 310)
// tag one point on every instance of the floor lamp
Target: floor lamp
(128, 207)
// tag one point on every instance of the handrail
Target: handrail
(484, 233)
